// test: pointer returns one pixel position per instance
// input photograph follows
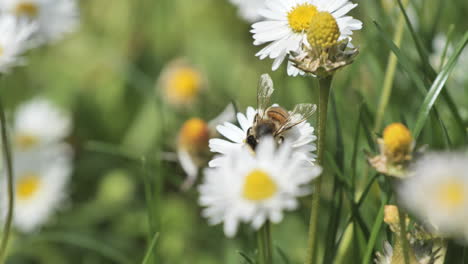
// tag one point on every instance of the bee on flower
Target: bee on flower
(181, 83)
(267, 121)
(396, 148)
(306, 28)
(192, 143)
(436, 191)
(256, 188)
(54, 18)
(15, 40)
(421, 249)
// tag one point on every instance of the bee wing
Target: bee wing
(299, 114)
(264, 92)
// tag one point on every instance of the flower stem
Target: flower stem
(404, 240)
(324, 92)
(9, 167)
(265, 252)
(390, 73)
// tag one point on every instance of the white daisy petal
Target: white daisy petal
(284, 31)
(231, 194)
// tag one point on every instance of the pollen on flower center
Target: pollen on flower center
(323, 31)
(184, 83)
(26, 9)
(26, 141)
(195, 132)
(27, 186)
(299, 18)
(259, 186)
(451, 194)
(397, 139)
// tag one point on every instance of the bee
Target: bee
(274, 120)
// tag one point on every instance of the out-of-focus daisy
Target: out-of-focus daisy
(396, 148)
(287, 22)
(192, 143)
(39, 123)
(249, 9)
(181, 83)
(254, 188)
(40, 183)
(301, 136)
(15, 39)
(439, 46)
(55, 18)
(437, 192)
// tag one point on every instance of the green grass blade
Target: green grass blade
(375, 232)
(85, 242)
(149, 251)
(436, 88)
(283, 255)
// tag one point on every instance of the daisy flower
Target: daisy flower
(249, 9)
(192, 143)
(180, 83)
(254, 188)
(15, 39)
(40, 182)
(55, 18)
(301, 137)
(39, 123)
(287, 22)
(437, 192)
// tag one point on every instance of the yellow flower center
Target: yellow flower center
(195, 133)
(299, 18)
(397, 139)
(259, 186)
(26, 141)
(323, 31)
(184, 84)
(27, 186)
(451, 194)
(28, 9)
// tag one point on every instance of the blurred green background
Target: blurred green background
(106, 74)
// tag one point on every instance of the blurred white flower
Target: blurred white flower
(254, 188)
(437, 192)
(55, 18)
(301, 136)
(40, 185)
(438, 44)
(287, 22)
(180, 83)
(249, 9)
(192, 145)
(39, 123)
(15, 39)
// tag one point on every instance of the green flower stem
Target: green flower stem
(390, 72)
(404, 240)
(265, 252)
(324, 92)
(11, 199)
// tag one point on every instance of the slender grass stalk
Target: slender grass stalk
(11, 198)
(324, 92)
(390, 73)
(404, 240)
(265, 249)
